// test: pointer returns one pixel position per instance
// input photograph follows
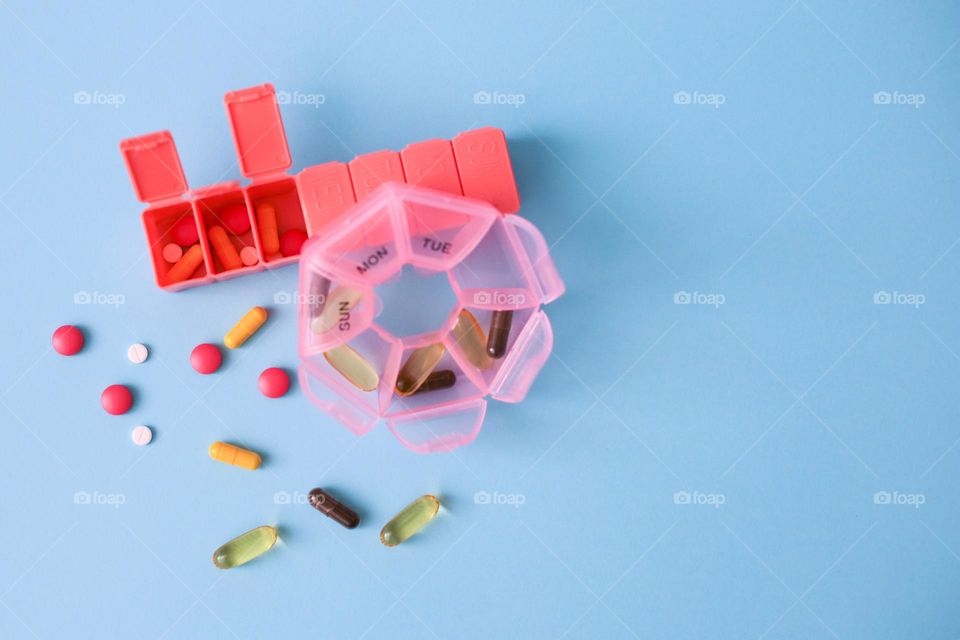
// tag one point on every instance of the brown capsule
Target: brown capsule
(437, 380)
(418, 366)
(332, 508)
(499, 333)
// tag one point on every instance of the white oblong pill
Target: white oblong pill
(137, 353)
(141, 435)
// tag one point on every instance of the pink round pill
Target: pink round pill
(67, 340)
(172, 252)
(116, 399)
(205, 358)
(235, 218)
(249, 256)
(291, 241)
(184, 232)
(273, 382)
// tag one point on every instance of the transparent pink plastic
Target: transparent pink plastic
(492, 262)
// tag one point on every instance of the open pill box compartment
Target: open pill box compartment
(475, 163)
(492, 262)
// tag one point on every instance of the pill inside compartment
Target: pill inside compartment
(360, 369)
(282, 198)
(444, 382)
(227, 232)
(158, 223)
(471, 349)
(330, 314)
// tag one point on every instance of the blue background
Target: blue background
(749, 468)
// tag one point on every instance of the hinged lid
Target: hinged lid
(257, 131)
(154, 166)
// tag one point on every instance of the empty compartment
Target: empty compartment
(442, 428)
(158, 223)
(443, 229)
(228, 210)
(323, 391)
(281, 234)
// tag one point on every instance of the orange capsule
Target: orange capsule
(226, 252)
(237, 456)
(269, 232)
(246, 326)
(186, 265)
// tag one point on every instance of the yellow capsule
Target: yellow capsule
(336, 310)
(414, 517)
(245, 327)
(245, 547)
(237, 456)
(353, 366)
(418, 366)
(469, 335)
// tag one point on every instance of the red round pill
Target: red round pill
(273, 382)
(116, 399)
(291, 241)
(235, 218)
(205, 358)
(67, 340)
(184, 232)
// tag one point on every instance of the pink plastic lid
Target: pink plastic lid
(154, 166)
(258, 131)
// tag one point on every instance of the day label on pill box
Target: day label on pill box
(372, 260)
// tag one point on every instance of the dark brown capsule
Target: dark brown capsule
(499, 333)
(332, 508)
(437, 380)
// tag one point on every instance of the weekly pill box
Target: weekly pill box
(493, 262)
(475, 164)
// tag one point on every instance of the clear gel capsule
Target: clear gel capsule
(436, 381)
(414, 517)
(418, 366)
(245, 547)
(336, 311)
(469, 335)
(353, 366)
(500, 323)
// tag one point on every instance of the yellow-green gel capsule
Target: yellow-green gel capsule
(245, 547)
(414, 517)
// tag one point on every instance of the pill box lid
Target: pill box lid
(257, 128)
(154, 166)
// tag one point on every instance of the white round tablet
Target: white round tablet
(137, 353)
(141, 435)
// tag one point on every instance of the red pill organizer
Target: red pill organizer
(430, 388)
(281, 209)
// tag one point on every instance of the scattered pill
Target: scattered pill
(291, 241)
(184, 232)
(192, 258)
(437, 380)
(141, 435)
(205, 358)
(500, 323)
(273, 382)
(67, 340)
(237, 456)
(418, 366)
(116, 399)
(235, 218)
(172, 252)
(245, 547)
(267, 221)
(137, 353)
(409, 521)
(246, 326)
(223, 247)
(249, 257)
(332, 508)
(336, 309)
(469, 335)
(353, 366)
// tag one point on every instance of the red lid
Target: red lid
(154, 166)
(257, 130)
